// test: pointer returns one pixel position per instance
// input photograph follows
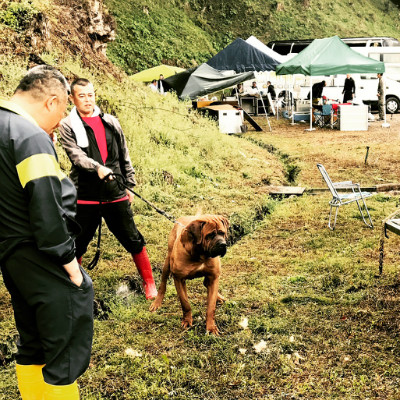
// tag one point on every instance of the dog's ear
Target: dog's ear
(224, 221)
(193, 232)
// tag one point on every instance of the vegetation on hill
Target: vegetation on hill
(185, 33)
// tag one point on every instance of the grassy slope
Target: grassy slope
(187, 32)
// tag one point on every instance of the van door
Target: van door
(367, 88)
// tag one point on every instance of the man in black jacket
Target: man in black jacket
(96, 146)
(51, 295)
(317, 89)
(349, 89)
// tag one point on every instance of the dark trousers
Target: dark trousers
(381, 107)
(54, 317)
(119, 219)
(347, 96)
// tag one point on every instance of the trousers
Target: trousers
(54, 317)
(119, 219)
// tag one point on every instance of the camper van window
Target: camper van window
(283, 49)
(297, 48)
(391, 58)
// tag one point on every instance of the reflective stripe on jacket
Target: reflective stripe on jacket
(38, 201)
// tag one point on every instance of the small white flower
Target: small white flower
(242, 351)
(260, 346)
(244, 323)
(297, 356)
(133, 353)
(291, 339)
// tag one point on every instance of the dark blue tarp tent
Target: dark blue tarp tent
(241, 56)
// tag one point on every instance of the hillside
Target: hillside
(136, 34)
(184, 33)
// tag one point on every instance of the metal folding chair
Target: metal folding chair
(353, 194)
(391, 224)
(324, 117)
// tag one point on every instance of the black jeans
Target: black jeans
(119, 219)
(54, 317)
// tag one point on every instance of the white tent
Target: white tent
(259, 45)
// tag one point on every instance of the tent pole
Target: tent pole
(311, 128)
(385, 124)
(266, 114)
(291, 99)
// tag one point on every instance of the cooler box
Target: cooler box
(353, 118)
(230, 121)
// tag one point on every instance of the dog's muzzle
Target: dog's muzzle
(218, 250)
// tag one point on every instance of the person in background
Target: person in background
(381, 97)
(317, 90)
(238, 90)
(96, 146)
(160, 85)
(52, 296)
(153, 85)
(271, 90)
(253, 91)
(349, 89)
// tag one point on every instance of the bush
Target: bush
(18, 16)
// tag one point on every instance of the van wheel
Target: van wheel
(392, 105)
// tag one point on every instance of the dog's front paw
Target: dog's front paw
(187, 322)
(155, 305)
(220, 298)
(213, 329)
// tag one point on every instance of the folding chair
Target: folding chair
(391, 224)
(340, 199)
(324, 117)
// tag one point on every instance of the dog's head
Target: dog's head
(207, 235)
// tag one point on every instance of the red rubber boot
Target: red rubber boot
(143, 265)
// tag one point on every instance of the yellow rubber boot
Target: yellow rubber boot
(61, 392)
(30, 381)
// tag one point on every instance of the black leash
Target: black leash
(96, 257)
(121, 182)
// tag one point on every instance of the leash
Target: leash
(121, 182)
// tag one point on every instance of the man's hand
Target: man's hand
(130, 195)
(104, 171)
(74, 272)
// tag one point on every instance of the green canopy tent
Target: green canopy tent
(329, 56)
(154, 73)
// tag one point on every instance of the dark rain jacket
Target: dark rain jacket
(37, 201)
(87, 160)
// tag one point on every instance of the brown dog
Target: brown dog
(194, 247)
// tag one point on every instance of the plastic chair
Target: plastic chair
(325, 116)
(354, 194)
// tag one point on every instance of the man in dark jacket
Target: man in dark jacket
(381, 97)
(51, 295)
(96, 146)
(317, 89)
(271, 90)
(349, 89)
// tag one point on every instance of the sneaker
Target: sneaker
(150, 290)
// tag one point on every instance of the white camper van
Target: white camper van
(366, 89)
